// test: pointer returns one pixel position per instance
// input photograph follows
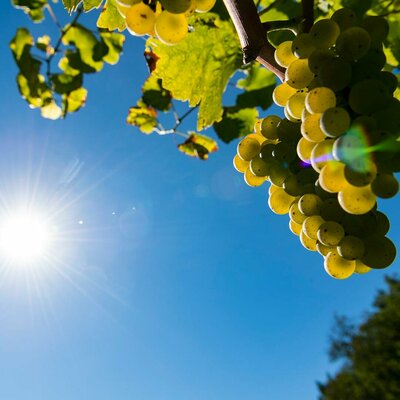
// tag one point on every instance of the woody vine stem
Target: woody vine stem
(253, 33)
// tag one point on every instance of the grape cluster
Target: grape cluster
(165, 19)
(336, 150)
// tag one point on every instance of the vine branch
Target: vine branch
(252, 35)
(308, 14)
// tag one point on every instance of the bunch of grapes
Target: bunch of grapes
(165, 19)
(336, 150)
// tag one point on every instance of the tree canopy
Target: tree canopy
(370, 352)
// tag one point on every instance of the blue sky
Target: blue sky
(175, 281)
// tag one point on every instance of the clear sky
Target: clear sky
(173, 281)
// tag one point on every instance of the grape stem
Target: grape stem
(308, 14)
(252, 35)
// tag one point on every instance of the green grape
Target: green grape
(330, 233)
(259, 167)
(171, 28)
(239, 164)
(257, 136)
(310, 128)
(385, 186)
(364, 123)
(140, 19)
(204, 5)
(279, 202)
(302, 45)
(361, 268)
(345, 18)
(369, 96)
(284, 55)
(351, 248)
(353, 43)
(317, 58)
(360, 177)
(335, 74)
(284, 152)
(324, 250)
(360, 225)
(320, 99)
(176, 6)
(357, 200)
(295, 228)
(311, 226)
(296, 105)
(310, 204)
(295, 214)
(298, 75)
(332, 178)
(269, 127)
(307, 176)
(289, 116)
(380, 252)
(377, 27)
(304, 149)
(272, 188)
(324, 33)
(248, 148)
(332, 211)
(383, 223)
(278, 174)
(308, 243)
(288, 131)
(322, 193)
(389, 79)
(123, 9)
(349, 147)
(282, 94)
(321, 154)
(314, 83)
(305, 114)
(253, 180)
(266, 152)
(338, 267)
(335, 121)
(292, 186)
(369, 66)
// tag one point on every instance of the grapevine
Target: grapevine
(336, 151)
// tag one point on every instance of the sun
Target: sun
(25, 237)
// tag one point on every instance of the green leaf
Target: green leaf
(90, 4)
(34, 90)
(142, 116)
(34, 8)
(21, 46)
(110, 18)
(114, 43)
(63, 83)
(198, 69)
(43, 44)
(393, 42)
(259, 85)
(74, 100)
(85, 43)
(236, 122)
(199, 146)
(154, 95)
(71, 5)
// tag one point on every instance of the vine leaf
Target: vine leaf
(154, 95)
(110, 18)
(199, 146)
(205, 60)
(142, 116)
(236, 122)
(34, 8)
